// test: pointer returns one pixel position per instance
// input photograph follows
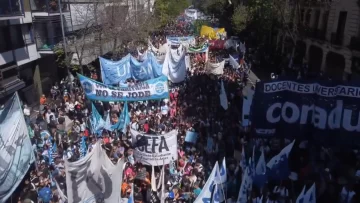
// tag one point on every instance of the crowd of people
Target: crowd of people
(62, 126)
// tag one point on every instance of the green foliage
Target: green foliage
(240, 18)
(217, 8)
(198, 24)
(262, 14)
(60, 56)
(61, 59)
(167, 10)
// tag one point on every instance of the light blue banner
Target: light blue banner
(116, 72)
(177, 40)
(16, 152)
(152, 89)
(191, 137)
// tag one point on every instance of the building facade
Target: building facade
(18, 52)
(29, 31)
(331, 39)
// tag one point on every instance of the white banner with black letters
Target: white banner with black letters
(155, 150)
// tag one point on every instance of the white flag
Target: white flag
(223, 97)
(153, 179)
(94, 177)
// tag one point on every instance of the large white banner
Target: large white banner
(94, 178)
(158, 53)
(215, 68)
(174, 66)
(16, 152)
(155, 150)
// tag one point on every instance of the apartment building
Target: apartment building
(77, 16)
(18, 52)
(331, 38)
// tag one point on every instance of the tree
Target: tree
(102, 27)
(168, 10)
(240, 18)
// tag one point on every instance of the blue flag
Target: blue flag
(124, 118)
(278, 165)
(243, 159)
(52, 151)
(131, 198)
(107, 124)
(83, 149)
(97, 122)
(259, 178)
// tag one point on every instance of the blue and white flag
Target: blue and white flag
(191, 137)
(107, 124)
(16, 151)
(97, 122)
(246, 187)
(243, 159)
(259, 178)
(205, 194)
(278, 165)
(300, 198)
(83, 149)
(124, 118)
(131, 197)
(220, 180)
(209, 145)
(310, 195)
(223, 97)
(51, 160)
(122, 123)
(221, 174)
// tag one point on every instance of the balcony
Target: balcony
(320, 34)
(48, 6)
(11, 8)
(315, 34)
(337, 39)
(9, 80)
(317, 3)
(355, 43)
(47, 44)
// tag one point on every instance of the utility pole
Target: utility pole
(64, 38)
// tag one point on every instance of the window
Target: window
(28, 33)
(9, 73)
(17, 39)
(5, 45)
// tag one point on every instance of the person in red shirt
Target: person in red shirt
(106, 139)
(146, 127)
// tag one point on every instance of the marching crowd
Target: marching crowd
(62, 126)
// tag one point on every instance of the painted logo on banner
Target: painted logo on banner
(323, 110)
(155, 150)
(152, 89)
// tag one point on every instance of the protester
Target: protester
(62, 131)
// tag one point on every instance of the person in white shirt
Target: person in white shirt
(27, 114)
(48, 115)
(135, 125)
(164, 109)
